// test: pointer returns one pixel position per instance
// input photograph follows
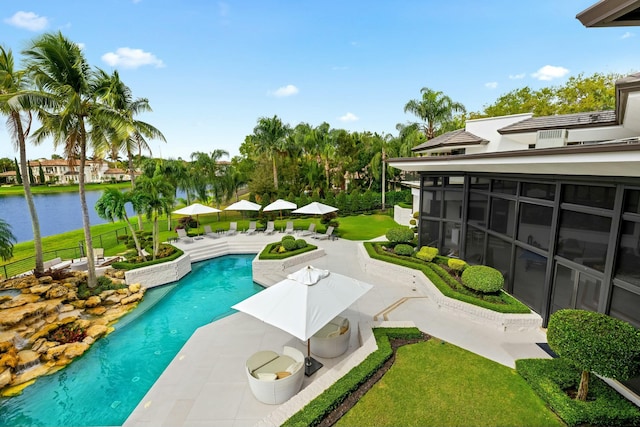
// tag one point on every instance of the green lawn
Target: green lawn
(438, 384)
(45, 189)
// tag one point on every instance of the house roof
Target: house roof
(611, 13)
(59, 162)
(114, 171)
(456, 138)
(565, 121)
(7, 174)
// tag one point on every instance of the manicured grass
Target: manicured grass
(438, 384)
(44, 189)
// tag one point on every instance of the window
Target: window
(453, 205)
(583, 238)
(502, 216)
(624, 305)
(538, 191)
(431, 203)
(589, 195)
(479, 183)
(528, 282)
(506, 187)
(628, 258)
(534, 227)
(478, 209)
(632, 201)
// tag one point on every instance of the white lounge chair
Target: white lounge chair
(332, 339)
(289, 229)
(209, 232)
(326, 235)
(233, 229)
(275, 378)
(183, 236)
(271, 228)
(252, 228)
(310, 230)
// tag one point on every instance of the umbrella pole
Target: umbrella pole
(311, 365)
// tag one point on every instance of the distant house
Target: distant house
(61, 172)
(8, 177)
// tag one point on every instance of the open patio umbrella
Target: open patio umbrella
(243, 205)
(315, 208)
(279, 205)
(303, 303)
(196, 209)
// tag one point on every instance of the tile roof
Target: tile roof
(565, 121)
(458, 137)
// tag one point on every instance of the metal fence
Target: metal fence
(104, 240)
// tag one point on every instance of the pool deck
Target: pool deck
(205, 384)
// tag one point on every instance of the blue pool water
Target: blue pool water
(108, 381)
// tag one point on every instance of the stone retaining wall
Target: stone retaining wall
(501, 321)
(268, 271)
(160, 274)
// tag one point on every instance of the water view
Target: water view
(104, 385)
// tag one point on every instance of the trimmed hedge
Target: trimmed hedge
(301, 243)
(289, 244)
(315, 411)
(482, 278)
(549, 378)
(400, 234)
(427, 253)
(125, 265)
(266, 252)
(403, 249)
(457, 265)
(447, 285)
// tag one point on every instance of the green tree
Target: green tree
(41, 176)
(74, 119)
(6, 164)
(270, 135)
(7, 240)
(14, 83)
(112, 205)
(595, 342)
(435, 109)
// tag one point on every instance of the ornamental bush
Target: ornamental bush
(288, 237)
(403, 249)
(482, 278)
(301, 243)
(457, 265)
(399, 234)
(289, 244)
(595, 342)
(427, 253)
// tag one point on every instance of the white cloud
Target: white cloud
(28, 20)
(491, 85)
(549, 72)
(627, 35)
(349, 117)
(131, 58)
(283, 91)
(517, 76)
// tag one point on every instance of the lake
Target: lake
(57, 213)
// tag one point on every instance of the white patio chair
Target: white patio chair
(252, 228)
(274, 378)
(183, 236)
(326, 235)
(311, 230)
(233, 229)
(209, 232)
(289, 228)
(271, 228)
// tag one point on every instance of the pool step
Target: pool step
(215, 248)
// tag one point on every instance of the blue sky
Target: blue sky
(211, 69)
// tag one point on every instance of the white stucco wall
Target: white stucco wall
(160, 274)
(488, 129)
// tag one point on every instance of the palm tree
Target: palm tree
(131, 136)
(12, 83)
(112, 205)
(435, 109)
(7, 239)
(59, 68)
(156, 196)
(270, 137)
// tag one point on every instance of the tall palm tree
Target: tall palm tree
(133, 134)
(435, 109)
(14, 82)
(7, 239)
(112, 205)
(59, 68)
(270, 137)
(156, 195)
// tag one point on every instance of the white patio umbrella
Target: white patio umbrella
(196, 209)
(243, 205)
(304, 302)
(315, 208)
(279, 205)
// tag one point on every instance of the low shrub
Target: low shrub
(68, 333)
(403, 249)
(552, 378)
(400, 234)
(300, 243)
(289, 244)
(457, 265)
(288, 237)
(271, 251)
(104, 284)
(136, 262)
(427, 253)
(482, 278)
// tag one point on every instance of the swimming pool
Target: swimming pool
(104, 386)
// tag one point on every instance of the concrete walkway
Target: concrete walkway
(205, 384)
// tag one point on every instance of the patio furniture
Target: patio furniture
(326, 235)
(210, 233)
(289, 228)
(331, 340)
(252, 228)
(183, 236)
(275, 378)
(271, 228)
(99, 254)
(233, 229)
(311, 230)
